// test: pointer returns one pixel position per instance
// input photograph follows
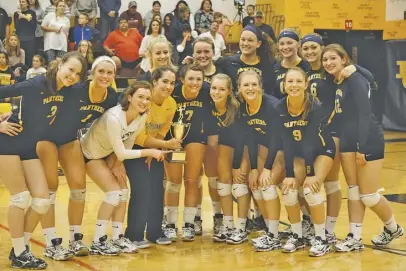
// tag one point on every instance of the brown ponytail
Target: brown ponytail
(232, 105)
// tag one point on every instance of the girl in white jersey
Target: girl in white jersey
(105, 145)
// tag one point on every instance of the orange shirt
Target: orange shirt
(125, 47)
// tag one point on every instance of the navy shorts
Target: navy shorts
(22, 145)
(375, 147)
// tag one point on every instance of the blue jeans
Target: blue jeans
(107, 24)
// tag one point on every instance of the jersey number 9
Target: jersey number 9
(297, 135)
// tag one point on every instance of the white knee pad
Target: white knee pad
(124, 195)
(353, 192)
(40, 206)
(240, 190)
(113, 197)
(172, 188)
(257, 194)
(52, 196)
(269, 193)
(300, 192)
(224, 189)
(332, 187)
(370, 200)
(78, 195)
(199, 182)
(312, 199)
(20, 200)
(291, 198)
(213, 182)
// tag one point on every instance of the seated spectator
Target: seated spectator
(123, 44)
(204, 17)
(52, 8)
(185, 46)
(154, 33)
(56, 30)
(37, 67)
(158, 18)
(219, 44)
(156, 9)
(223, 21)
(265, 28)
(15, 53)
(83, 31)
(179, 21)
(6, 73)
(85, 48)
(2, 49)
(190, 19)
(250, 19)
(167, 23)
(88, 7)
(133, 17)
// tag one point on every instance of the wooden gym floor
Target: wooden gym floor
(203, 254)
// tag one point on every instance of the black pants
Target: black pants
(147, 199)
(30, 49)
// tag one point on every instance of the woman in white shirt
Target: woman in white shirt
(154, 33)
(56, 29)
(105, 145)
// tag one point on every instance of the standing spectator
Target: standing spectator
(191, 18)
(25, 21)
(108, 16)
(219, 44)
(133, 17)
(56, 29)
(85, 49)
(15, 53)
(204, 17)
(250, 19)
(154, 33)
(39, 34)
(265, 28)
(167, 23)
(156, 9)
(37, 67)
(5, 22)
(52, 8)
(123, 45)
(83, 31)
(88, 7)
(223, 21)
(185, 45)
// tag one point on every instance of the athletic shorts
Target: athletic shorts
(88, 160)
(375, 147)
(329, 149)
(231, 136)
(194, 136)
(22, 145)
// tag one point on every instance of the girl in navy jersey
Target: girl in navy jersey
(194, 106)
(361, 150)
(288, 46)
(257, 121)
(86, 102)
(41, 97)
(107, 143)
(322, 87)
(254, 56)
(226, 112)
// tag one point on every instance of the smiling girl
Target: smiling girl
(154, 33)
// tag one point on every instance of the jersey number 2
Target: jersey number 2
(52, 116)
(297, 135)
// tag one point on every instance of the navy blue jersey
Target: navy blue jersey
(280, 73)
(208, 78)
(78, 110)
(300, 136)
(233, 66)
(258, 128)
(352, 111)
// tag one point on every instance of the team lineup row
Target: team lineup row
(250, 142)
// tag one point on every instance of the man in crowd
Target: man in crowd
(133, 17)
(219, 44)
(265, 28)
(108, 16)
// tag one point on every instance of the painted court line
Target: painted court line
(38, 243)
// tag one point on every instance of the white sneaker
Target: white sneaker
(386, 236)
(198, 225)
(268, 243)
(223, 234)
(125, 245)
(171, 232)
(294, 243)
(237, 237)
(319, 248)
(104, 247)
(188, 232)
(57, 252)
(77, 247)
(349, 244)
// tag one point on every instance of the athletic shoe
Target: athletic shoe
(249, 227)
(284, 234)
(294, 243)
(268, 243)
(26, 260)
(142, 244)
(259, 239)
(223, 234)
(349, 244)
(331, 238)
(57, 252)
(386, 236)
(125, 245)
(319, 248)
(164, 223)
(307, 229)
(163, 241)
(171, 232)
(237, 237)
(217, 223)
(188, 232)
(259, 223)
(77, 247)
(198, 225)
(104, 247)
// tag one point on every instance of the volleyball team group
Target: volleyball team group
(253, 125)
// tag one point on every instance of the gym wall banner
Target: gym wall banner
(395, 100)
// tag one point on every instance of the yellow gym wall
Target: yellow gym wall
(332, 14)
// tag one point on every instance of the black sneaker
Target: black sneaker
(57, 252)
(198, 225)
(217, 223)
(259, 223)
(188, 232)
(77, 247)
(26, 260)
(249, 227)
